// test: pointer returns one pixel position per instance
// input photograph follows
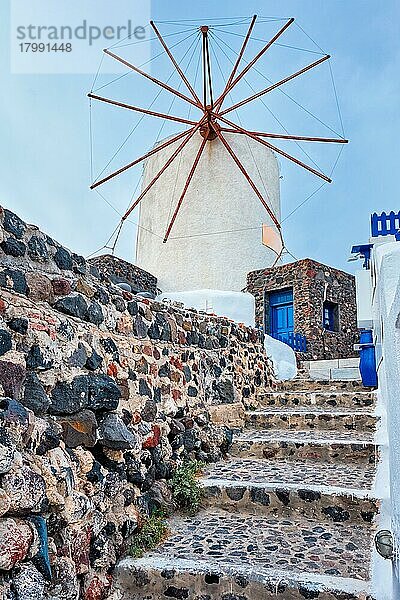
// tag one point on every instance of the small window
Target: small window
(331, 316)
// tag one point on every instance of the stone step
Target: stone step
(338, 477)
(311, 444)
(220, 555)
(312, 418)
(341, 374)
(328, 399)
(293, 385)
(328, 491)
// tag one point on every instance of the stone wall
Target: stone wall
(117, 270)
(312, 283)
(103, 393)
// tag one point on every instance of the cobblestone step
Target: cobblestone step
(283, 473)
(328, 399)
(312, 418)
(311, 444)
(289, 515)
(328, 491)
(300, 383)
(218, 555)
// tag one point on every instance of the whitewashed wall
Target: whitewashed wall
(385, 272)
(219, 202)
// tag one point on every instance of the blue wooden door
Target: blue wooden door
(281, 314)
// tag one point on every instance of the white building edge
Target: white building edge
(378, 306)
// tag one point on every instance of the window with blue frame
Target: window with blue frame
(330, 316)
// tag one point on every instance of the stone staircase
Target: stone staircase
(290, 514)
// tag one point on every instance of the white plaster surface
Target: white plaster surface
(364, 296)
(283, 358)
(238, 306)
(385, 309)
(219, 199)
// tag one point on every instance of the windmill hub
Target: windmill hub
(209, 130)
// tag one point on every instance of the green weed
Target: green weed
(153, 531)
(186, 489)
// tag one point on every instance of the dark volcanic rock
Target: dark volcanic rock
(11, 378)
(175, 592)
(283, 495)
(14, 279)
(15, 416)
(132, 308)
(79, 357)
(104, 394)
(187, 373)
(74, 306)
(97, 392)
(37, 248)
(109, 346)
(119, 303)
(95, 313)
(149, 411)
(41, 559)
(13, 224)
(79, 264)
(69, 398)
(259, 496)
(139, 327)
(113, 433)
(235, 493)
(5, 341)
(35, 397)
(36, 361)
(309, 495)
(19, 325)
(226, 391)
(79, 429)
(336, 513)
(94, 361)
(63, 259)
(13, 247)
(154, 332)
(164, 370)
(144, 389)
(102, 296)
(49, 439)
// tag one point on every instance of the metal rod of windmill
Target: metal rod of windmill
(211, 123)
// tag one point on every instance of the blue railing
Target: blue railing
(385, 224)
(295, 340)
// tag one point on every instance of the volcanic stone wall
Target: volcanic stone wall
(116, 270)
(312, 283)
(102, 394)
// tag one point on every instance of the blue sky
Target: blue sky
(45, 149)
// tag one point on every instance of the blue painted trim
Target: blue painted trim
(296, 341)
(385, 224)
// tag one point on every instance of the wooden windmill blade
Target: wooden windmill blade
(212, 124)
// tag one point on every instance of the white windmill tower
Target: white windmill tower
(211, 189)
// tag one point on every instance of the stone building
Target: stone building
(310, 299)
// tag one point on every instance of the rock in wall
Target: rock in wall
(102, 394)
(117, 270)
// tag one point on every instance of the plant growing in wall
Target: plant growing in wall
(154, 530)
(185, 486)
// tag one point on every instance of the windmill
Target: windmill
(208, 142)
